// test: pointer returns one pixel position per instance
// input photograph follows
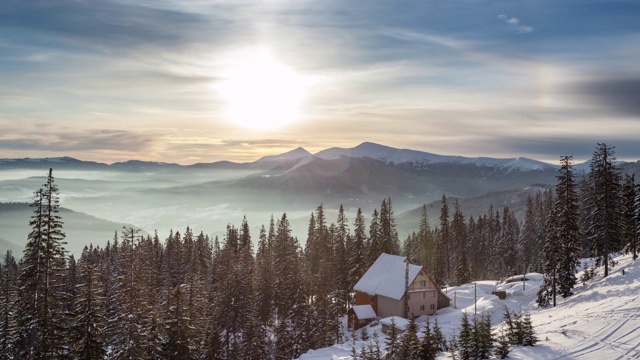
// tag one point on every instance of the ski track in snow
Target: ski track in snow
(616, 337)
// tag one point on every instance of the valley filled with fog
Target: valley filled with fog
(99, 199)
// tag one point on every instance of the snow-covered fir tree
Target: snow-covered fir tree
(42, 329)
(604, 204)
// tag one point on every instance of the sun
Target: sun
(262, 92)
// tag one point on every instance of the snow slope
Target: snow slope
(600, 321)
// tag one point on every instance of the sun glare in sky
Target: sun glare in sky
(261, 92)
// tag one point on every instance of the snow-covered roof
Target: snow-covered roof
(528, 276)
(364, 312)
(401, 323)
(386, 277)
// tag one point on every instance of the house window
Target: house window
(424, 295)
(373, 299)
(421, 307)
(434, 294)
(424, 283)
(433, 306)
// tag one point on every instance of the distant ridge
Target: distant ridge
(390, 154)
(294, 154)
(364, 150)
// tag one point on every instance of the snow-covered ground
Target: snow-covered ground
(600, 321)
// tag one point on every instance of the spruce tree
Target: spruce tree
(340, 264)
(484, 336)
(411, 248)
(425, 240)
(41, 280)
(8, 311)
(177, 326)
(410, 345)
(438, 336)
(630, 225)
(466, 338)
(388, 234)
(89, 323)
(462, 274)
(566, 227)
(529, 337)
(443, 251)
(508, 243)
(428, 348)
(634, 241)
(527, 247)
(552, 254)
(357, 254)
(604, 206)
(392, 344)
(375, 239)
(503, 348)
(263, 288)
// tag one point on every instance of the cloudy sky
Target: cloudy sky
(201, 81)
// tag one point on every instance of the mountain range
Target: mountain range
(209, 196)
(364, 150)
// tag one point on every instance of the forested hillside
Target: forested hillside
(186, 295)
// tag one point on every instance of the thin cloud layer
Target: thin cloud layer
(515, 24)
(114, 80)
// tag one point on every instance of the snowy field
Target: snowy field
(600, 321)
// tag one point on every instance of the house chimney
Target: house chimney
(406, 291)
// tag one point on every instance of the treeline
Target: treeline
(186, 296)
(596, 216)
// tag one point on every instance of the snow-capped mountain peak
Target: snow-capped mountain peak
(398, 156)
(294, 154)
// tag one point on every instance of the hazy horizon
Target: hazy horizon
(576, 161)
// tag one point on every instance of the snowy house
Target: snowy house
(360, 315)
(394, 287)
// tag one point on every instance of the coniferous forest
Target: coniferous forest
(184, 295)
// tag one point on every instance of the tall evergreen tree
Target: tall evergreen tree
(484, 337)
(89, 323)
(425, 239)
(388, 233)
(8, 311)
(375, 247)
(566, 227)
(177, 326)
(552, 250)
(392, 344)
(409, 343)
(429, 349)
(264, 282)
(446, 248)
(466, 339)
(527, 247)
(357, 254)
(634, 242)
(508, 243)
(629, 221)
(462, 272)
(41, 280)
(604, 205)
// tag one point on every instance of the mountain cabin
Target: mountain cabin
(394, 287)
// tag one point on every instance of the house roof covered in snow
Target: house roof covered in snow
(401, 323)
(364, 312)
(386, 277)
